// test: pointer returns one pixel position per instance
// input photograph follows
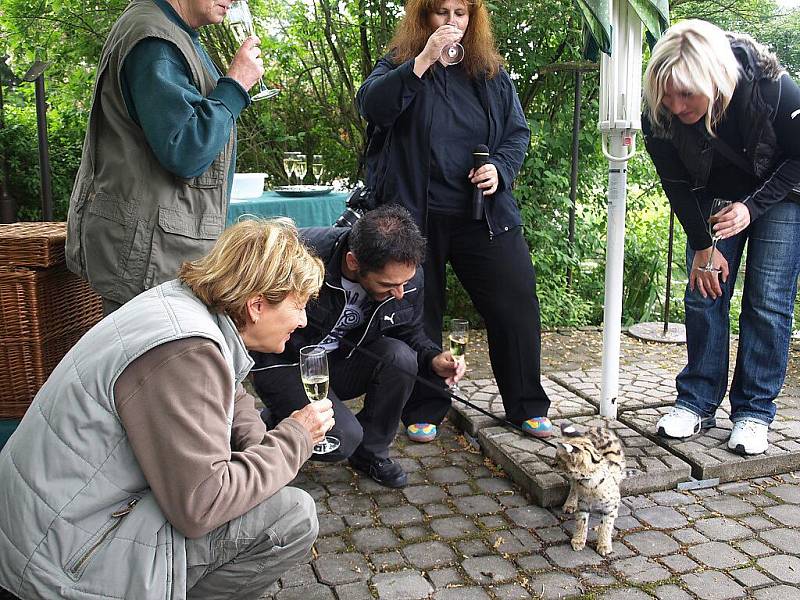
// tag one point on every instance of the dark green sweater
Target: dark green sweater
(185, 130)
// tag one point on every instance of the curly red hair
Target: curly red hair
(413, 31)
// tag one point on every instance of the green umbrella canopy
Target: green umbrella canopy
(597, 21)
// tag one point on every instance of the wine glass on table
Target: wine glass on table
(716, 207)
(314, 375)
(300, 167)
(241, 21)
(288, 165)
(458, 338)
(316, 167)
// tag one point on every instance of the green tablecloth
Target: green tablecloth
(308, 211)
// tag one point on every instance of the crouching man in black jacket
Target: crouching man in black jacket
(373, 298)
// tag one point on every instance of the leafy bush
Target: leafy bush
(20, 143)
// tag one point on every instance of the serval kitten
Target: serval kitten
(594, 464)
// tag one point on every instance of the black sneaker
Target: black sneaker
(383, 470)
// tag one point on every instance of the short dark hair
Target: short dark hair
(386, 234)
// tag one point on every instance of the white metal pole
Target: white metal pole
(615, 256)
(620, 84)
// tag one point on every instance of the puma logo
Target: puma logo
(795, 113)
(389, 318)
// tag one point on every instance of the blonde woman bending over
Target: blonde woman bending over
(722, 123)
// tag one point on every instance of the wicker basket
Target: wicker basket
(32, 244)
(42, 314)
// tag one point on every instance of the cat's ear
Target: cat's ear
(569, 430)
(567, 447)
(594, 454)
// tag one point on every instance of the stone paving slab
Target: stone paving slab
(640, 385)
(530, 462)
(462, 529)
(708, 452)
(483, 393)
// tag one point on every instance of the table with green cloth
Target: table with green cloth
(307, 211)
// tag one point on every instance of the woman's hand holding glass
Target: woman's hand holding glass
(706, 275)
(731, 220)
(316, 418)
(708, 282)
(314, 375)
(443, 37)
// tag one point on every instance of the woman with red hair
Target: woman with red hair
(425, 118)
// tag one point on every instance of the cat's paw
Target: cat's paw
(604, 549)
(569, 507)
(578, 545)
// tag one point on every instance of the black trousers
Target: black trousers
(371, 431)
(498, 275)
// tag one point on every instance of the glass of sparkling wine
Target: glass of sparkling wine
(314, 374)
(316, 167)
(241, 21)
(288, 165)
(459, 336)
(300, 167)
(718, 206)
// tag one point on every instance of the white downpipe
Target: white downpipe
(620, 105)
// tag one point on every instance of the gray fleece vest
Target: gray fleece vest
(78, 519)
(131, 223)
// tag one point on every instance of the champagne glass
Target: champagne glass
(314, 375)
(300, 167)
(241, 20)
(452, 54)
(716, 207)
(288, 165)
(316, 167)
(459, 336)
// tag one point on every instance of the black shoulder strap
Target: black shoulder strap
(737, 159)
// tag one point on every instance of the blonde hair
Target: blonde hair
(254, 258)
(696, 57)
(481, 56)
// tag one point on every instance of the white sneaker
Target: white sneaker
(680, 423)
(749, 437)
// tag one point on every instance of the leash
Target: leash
(432, 386)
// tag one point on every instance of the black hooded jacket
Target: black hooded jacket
(761, 123)
(400, 319)
(398, 106)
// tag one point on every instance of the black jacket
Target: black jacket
(693, 172)
(400, 319)
(399, 108)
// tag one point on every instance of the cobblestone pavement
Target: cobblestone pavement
(463, 530)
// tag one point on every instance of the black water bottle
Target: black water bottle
(480, 156)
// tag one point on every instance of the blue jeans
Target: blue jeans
(770, 285)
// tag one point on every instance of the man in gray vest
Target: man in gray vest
(159, 155)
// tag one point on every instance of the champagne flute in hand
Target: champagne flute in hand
(241, 20)
(314, 375)
(459, 336)
(717, 207)
(452, 54)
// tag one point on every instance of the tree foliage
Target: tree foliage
(318, 52)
